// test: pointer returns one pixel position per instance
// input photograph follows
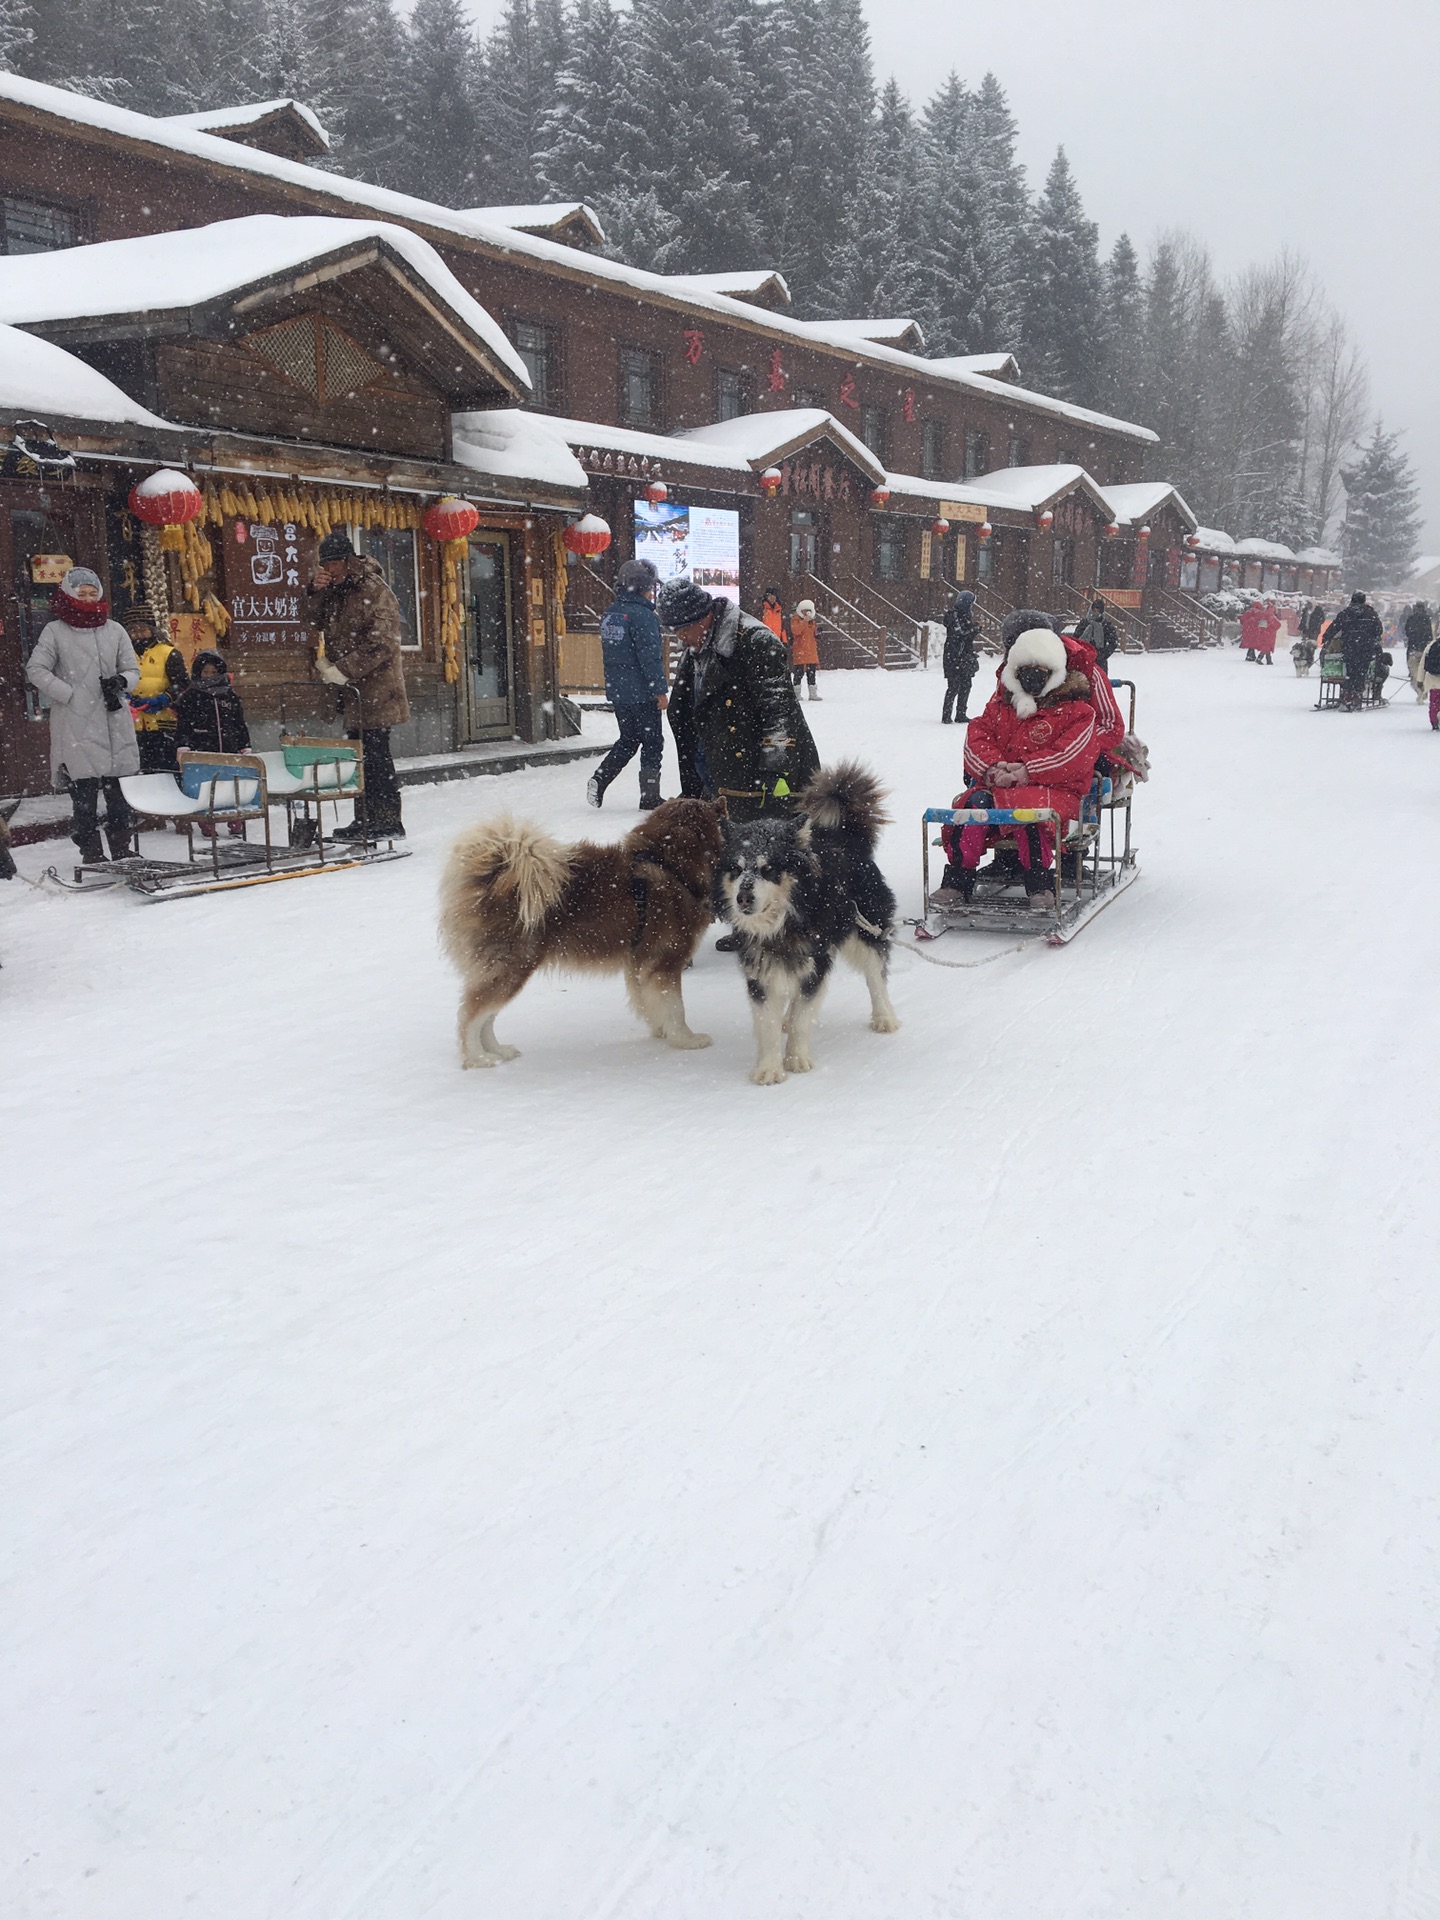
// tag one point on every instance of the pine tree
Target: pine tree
(16, 32)
(522, 59)
(369, 137)
(1122, 335)
(873, 271)
(440, 88)
(1062, 304)
(588, 142)
(1006, 203)
(1382, 519)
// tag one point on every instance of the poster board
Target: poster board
(266, 570)
(703, 542)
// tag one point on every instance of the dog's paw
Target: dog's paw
(768, 1076)
(481, 1060)
(885, 1023)
(689, 1042)
(798, 1063)
(507, 1053)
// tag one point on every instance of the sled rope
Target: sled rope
(959, 966)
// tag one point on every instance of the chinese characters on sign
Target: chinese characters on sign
(694, 346)
(908, 406)
(777, 372)
(848, 395)
(811, 481)
(266, 571)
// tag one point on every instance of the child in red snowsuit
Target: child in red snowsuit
(1035, 745)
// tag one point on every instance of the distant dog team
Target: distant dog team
(798, 891)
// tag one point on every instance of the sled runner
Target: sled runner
(220, 791)
(1095, 861)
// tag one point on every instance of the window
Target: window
(977, 453)
(932, 450)
(1017, 453)
(889, 548)
(32, 227)
(874, 431)
(536, 346)
(639, 388)
(985, 559)
(1068, 457)
(732, 394)
(804, 538)
(393, 551)
(805, 397)
(1062, 562)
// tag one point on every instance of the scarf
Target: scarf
(78, 613)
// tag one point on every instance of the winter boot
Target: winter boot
(92, 850)
(814, 693)
(118, 841)
(595, 790)
(649, 795)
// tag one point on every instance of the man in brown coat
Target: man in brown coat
(359, 620)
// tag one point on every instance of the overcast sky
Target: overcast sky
(1313, 124)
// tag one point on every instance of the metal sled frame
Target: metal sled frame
(1103, 849)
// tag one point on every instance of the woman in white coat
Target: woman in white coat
(85, 666)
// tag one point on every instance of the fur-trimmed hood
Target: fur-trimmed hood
(1041, 647)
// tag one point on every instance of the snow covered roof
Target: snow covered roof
(1028, 489)
(905, 334)
(570, 222)
(513, 445)
(1321, 557)
(1133, 505)
(238, 119)
(1212, 540)
(758, 287)
(764, 439)
(998, 366)
(38, 378)
(173, 272)
(1264, 550)
(36, 97)
(914, 485)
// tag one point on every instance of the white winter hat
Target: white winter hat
(805, 609)
(1038, 647)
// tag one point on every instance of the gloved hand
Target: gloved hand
(328, 670)
(772, 756)
(112, 686)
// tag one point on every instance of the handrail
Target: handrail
(1127, 621)
(908, 619)
(822, 589)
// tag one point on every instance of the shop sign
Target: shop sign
(809, 480)
(49, 569)
(953, 510)
(1122, 596)
(267, 569)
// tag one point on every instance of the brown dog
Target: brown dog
(514, 900)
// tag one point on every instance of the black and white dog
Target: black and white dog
(798, 891)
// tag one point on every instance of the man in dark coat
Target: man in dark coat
(634, 651)
(1419, 632)
(961, 657)
(1358, 630)
(1099, 631)
(359, 620)
(737, 722)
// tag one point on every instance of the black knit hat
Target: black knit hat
(336, 546)
(1022, 620)
(680, 603)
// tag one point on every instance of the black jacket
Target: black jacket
(1359, 632)
(744, 717)
(211, 720)
(961, 654)
(1419, 630)
(1102, 634)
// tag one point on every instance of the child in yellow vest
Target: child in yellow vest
(152, 702)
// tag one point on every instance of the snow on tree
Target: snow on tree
(441, 90)
(1122, 330)
(1382, 520)
(1063, 293)
(16, 33)
(874, 270)
(522, 60)
(587, 134)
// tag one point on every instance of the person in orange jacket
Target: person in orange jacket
(804, 647)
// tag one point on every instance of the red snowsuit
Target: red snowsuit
(1057, 743)
(1258, 628)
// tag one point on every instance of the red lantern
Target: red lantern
(770, 482)
(1044, 520)
(451, 519)
(1142, 533)
(587, 536)
(983, 532)
(166, 499)
(656, 492)
(1112, 531)
(1192, 540)
(939, 528)
(879, 496)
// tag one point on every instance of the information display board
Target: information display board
(703, 542)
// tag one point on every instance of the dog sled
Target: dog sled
(1095, 862)
(222, 795)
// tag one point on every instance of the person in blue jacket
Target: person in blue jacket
(634, 682)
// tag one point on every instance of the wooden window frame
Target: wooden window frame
(656, 422)
(554, 401)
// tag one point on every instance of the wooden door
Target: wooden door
(489, 681)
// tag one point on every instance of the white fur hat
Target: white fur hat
(1038, 647)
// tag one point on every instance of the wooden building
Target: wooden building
(305, 374)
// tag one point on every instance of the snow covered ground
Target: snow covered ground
(993, 1476)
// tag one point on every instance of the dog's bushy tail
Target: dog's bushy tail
(502, 869)
(848, 799)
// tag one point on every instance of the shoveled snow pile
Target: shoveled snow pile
(992, 1475)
